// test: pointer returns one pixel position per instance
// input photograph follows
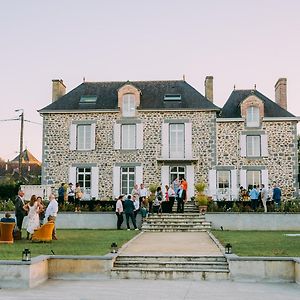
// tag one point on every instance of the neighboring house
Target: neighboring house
(110, 135)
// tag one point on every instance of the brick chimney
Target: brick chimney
(209, 88)
(280, 93)
(58, 89)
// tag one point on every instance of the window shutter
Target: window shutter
(117, 136)
(95, 182)
(243, 145)
(264, 144)
(243, 179)
(138, 175)
(234, 185)
(72, 175)
(190, 180)
(265, 178)
(116, 181)
(139, 135)
(73, 129)
(188, 140)
(165, 140)
(164, 177)
(212, 183)
(93, 136)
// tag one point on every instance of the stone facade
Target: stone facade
(57, 157)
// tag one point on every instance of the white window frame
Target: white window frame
(85, 188)
(128, 136)
(253, 145)
(127, 171)
(252, 181)
(252, 117)
(176, 146)
(128, 105)
(84, 138)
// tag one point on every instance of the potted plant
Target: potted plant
(201, 198)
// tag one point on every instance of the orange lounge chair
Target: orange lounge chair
(44, 233)
(6, 232)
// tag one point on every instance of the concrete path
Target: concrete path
(154, 289)
(172, 243)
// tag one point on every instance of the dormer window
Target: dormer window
(252, 117)
(128, 105)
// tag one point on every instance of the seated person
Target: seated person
(7, 218)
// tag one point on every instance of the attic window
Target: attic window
(88, 99)
(172, 97)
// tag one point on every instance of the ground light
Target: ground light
(114, 248)
(228, 249)
(26, 255)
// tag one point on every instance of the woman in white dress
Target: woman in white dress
(33, 208)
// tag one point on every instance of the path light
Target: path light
(114, 248)
(26, 255)
(228, 249)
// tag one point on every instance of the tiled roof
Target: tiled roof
(232, 108)
(27, 158)
(152, 96)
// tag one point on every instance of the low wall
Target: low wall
(266, 269)
(229, 221)
(254, 221)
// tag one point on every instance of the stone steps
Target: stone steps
(171, 267)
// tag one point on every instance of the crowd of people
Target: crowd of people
(68, 194)
(261, 193)
(141, 201)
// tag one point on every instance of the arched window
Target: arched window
(128, 105)
(252, 116)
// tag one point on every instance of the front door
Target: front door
(177, 172)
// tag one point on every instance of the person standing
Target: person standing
(42, 210)
(264, 196)
(61, 194)
(143, 192)
(276, 195)
(129, 212)
(172, 195)
(78, 197)
(181, 196)
(51, 213)
(119, 211)
(33, 208)
(254, 197)
(71, 193)
(20, 212)
(158, 200)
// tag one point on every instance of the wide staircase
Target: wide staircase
(190, 220)
(173, 246)
(171, 267)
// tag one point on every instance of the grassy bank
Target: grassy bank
(261, 243)
(70, 242)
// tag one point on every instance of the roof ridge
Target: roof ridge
(122, 81)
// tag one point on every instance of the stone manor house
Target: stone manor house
(110, 135)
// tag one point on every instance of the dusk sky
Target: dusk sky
(240, 43)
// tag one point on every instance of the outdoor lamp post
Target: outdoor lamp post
(228, 249)
(26, 255)
(114, 248)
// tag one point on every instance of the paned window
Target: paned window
(253, 178)
(128, 136)
(84, 137)
(127, 179)
(176, 137)
(252, 116)
(128, 105)
(253, 145)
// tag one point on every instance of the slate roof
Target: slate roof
(152, 96)
(232, 108)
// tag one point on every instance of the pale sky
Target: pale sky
(238, 42)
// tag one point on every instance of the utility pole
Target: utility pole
(21, 141)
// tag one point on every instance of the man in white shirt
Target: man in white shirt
(51, 213)
(119, 211)
(264, 196)
(143, 192)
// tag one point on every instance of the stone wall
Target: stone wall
(281, 162)
(57, 157)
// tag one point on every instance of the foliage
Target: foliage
(70, 242)
(153, 187)
(8, 189)
(200, 187)
(267, 243)
(201, 198)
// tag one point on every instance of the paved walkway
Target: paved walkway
(172, 243)
(154, 289)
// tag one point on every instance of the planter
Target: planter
(202, 209)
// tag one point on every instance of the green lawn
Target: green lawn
(261, 243)
(70, 242)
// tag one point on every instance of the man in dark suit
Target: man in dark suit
(129, 212)
(181, 198)
(20, 212)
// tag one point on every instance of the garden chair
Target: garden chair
(6, 232)
(44, 233)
